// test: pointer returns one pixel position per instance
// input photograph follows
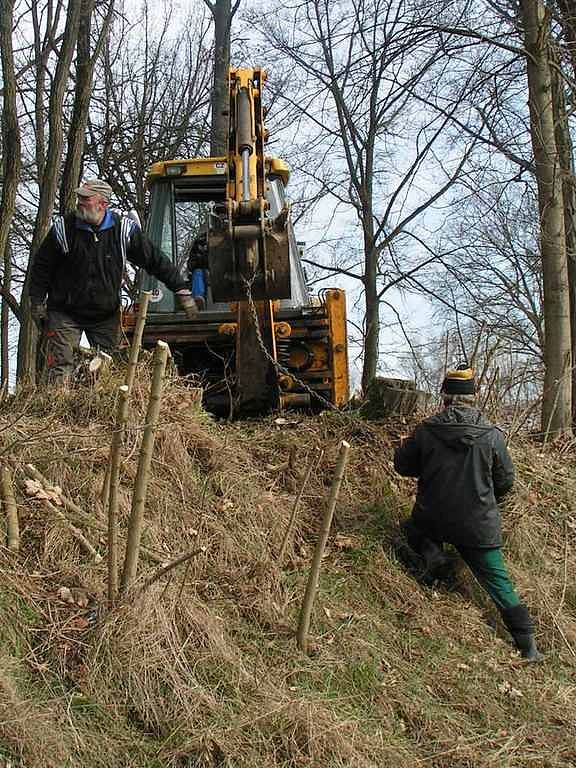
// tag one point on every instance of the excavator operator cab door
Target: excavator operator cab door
(180, 212)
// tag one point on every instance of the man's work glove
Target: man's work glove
(38, 312)
(187, 303)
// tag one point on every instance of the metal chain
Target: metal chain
(278, 366)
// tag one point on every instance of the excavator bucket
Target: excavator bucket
(263, 263)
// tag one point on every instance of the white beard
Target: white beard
(88, 216)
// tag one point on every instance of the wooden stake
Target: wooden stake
(314, 461)
(114, 475)
(312, 586)
(137, 339)
(143, 472)
(12, 524)
(130, 372)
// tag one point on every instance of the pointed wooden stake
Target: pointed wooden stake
(114, 475)
(312, 586)
(143, 472)
(137, 338)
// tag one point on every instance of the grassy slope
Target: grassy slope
(203, 670)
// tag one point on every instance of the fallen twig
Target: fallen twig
(159, 572)
(81, 515)
(76, 532)
(314, 461)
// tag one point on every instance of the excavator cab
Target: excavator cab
(187, 202)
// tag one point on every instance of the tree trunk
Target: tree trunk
(566, 155)
(556, 402)
(372, 316)
(11, 154)
(219, 102)
(43, 47)
(5, 321)
(48, 186)
(84, 74)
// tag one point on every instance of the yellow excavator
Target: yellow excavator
(259, 341)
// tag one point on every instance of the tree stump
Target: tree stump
(386, 396)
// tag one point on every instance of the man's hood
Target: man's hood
(459, 428)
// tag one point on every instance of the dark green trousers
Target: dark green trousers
(487, 565)
(489, 568)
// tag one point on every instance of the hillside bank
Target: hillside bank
(202, 668)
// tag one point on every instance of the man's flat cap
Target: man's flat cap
(95, 187)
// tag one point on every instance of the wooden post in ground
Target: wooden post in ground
(12, 524)
(130, 372)
(143, 472)
(114, 475)
(312, 586)
(137, 338)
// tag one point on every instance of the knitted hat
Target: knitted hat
(95, 187)
(459, 382)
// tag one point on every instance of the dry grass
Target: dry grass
(203, 669)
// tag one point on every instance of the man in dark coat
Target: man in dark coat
(464, 470)
(79, 267)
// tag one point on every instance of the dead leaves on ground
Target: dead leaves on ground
(51, 493)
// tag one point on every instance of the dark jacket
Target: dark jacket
(463, 469)
(80, 268)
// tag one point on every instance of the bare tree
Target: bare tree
(566, 12)
(566, 158)
(223, 12)
(57, 60)
(534, 147)
(353, 65)
(150, 102)
(26, 369)
(11, 162)
(85, 62)
(556, 404)
(493, 273)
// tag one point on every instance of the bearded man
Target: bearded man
(77, 273)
